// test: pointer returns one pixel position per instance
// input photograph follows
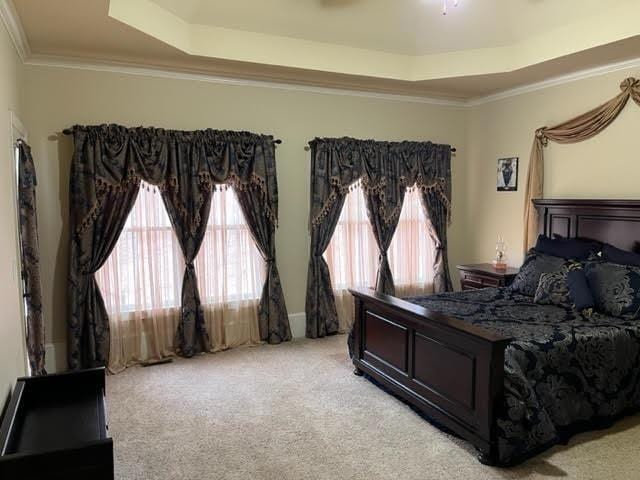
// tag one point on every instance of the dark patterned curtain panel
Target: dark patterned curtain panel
(273, 320)
(188, 207)
(30, 258)
(108, 164)
(335, 166)
(91, 244)
(386, 170)
(385, 183)
(436, 200)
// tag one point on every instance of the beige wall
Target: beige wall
(58, 98)
(12, 359)
(603, 167)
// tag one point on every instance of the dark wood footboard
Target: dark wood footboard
(450, 370)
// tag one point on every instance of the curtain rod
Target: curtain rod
(307, 148)
(69, 131)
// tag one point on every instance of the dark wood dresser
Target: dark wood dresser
(483, 275)
(55, 428)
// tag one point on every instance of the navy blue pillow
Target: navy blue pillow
(568, 248)
(617, 255)
(579, 291)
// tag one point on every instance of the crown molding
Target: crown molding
(556, 81)
(16, 32)
(132, 69)
(13, 24)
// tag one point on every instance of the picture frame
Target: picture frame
(507, 174)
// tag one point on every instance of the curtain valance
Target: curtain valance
(115, 156)
(575, 130)
(108, 165)
(386, 170)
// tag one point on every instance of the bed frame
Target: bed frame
(453, 371)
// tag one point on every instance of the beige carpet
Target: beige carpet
(296, 411)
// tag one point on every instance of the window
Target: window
(229, 266)
(145, 269)
(18, 131)
(352, 254)
(141, 281)
(16, 166)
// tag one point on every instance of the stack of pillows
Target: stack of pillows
(582, 274)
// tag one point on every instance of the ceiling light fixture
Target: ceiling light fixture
(444, 5)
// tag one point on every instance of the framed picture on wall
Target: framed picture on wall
(508, 174)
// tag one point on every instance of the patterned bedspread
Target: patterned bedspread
(563, 372)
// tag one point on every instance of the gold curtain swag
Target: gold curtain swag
(575, 130)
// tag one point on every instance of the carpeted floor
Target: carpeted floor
(295, 411)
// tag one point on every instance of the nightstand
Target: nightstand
(483, 275)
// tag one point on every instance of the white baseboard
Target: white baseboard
(298, 324)
(55, 357)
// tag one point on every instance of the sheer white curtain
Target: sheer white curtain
(352, 254)
(142, 279)
(230, 273)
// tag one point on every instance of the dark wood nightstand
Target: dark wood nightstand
(483, 275)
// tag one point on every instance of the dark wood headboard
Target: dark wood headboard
(612, 221)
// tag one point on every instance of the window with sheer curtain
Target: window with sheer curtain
(141, 281)
(352, 254)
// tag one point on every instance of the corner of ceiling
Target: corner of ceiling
(14, 28)
(155, 21)
(609, 26)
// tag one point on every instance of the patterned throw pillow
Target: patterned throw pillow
(615, 288)
(527, 279)
(552, 289)
(564, 289)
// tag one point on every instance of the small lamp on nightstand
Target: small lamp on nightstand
(500, 262)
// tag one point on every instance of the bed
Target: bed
(510, 376)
